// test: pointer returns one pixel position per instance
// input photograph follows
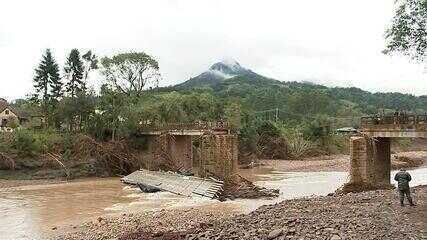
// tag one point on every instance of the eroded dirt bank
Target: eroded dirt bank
(369, 215)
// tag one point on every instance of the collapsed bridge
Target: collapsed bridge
(216, 154)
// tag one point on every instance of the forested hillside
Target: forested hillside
(254, 93)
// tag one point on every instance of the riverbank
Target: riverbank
(53, 207)
(325, 163)
(341, 162)
(102, 207)
(171, 220)
(367, 215)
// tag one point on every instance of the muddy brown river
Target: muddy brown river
(29, 211)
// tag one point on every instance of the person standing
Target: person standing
(403, 178)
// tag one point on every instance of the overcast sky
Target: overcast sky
(334, 42)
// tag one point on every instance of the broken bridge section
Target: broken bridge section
(370, 153)
(175, 183)
(203, 149)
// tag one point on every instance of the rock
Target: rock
(275, 233)
(335, 237)
(291, 231)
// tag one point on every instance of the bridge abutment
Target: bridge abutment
(370, 163)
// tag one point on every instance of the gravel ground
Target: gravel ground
(368, 215)
(172, 220)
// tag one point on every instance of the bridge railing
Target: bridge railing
(395, 122)
(155, 126)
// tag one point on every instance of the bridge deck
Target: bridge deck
(407, 126)
(175, 183)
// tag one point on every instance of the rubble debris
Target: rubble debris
(402, 161)
(239, 187)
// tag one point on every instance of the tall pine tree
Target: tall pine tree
(74, 72)
(47, 81)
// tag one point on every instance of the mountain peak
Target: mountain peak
(230, 62)
(227, 69)
(219, 72)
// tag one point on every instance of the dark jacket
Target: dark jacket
(403, 178)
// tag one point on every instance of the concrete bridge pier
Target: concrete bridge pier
(382, 162)
(181, 150)
(370, 163)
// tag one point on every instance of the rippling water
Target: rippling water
(29, 211)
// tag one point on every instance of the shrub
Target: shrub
(298, 146)
(25, 143)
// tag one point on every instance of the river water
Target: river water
(29, 211)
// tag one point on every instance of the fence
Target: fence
(397, 119)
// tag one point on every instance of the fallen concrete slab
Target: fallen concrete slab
(176, 183)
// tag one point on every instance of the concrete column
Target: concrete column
(219, 156)
(369, 162)
(382, 161)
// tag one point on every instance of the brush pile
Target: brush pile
(7, 161)
(115, 156)
(239, 187)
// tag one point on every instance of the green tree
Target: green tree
(131, 73)
(233, 114)
(90, 63)
(110, 113)
(76, 111)
(47, 81)
(408, 31)
(74, 73)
